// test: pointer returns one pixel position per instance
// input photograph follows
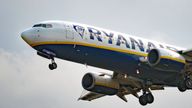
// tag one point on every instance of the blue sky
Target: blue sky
(26, 81)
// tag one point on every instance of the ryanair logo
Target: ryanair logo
(130, 42)
(79, 30)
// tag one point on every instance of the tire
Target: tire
(54, 65)
(182, 86)
(188, 83)
(149, 98)
(143, 100)
(51, 67)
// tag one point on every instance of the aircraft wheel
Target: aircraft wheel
(182, 86)
(188, 83)
(143, 100)
(149, 98)
(52, 66)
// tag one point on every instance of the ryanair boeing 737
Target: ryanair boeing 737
(138, 65)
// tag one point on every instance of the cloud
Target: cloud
(26, 82)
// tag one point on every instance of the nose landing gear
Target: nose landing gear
(49, 55)
(52, 65)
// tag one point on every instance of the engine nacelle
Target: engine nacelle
(100, 84)
(166, 60)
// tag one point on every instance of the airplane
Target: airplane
(139, 65)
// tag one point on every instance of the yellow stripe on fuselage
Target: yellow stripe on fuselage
(174, 59)
(105, 47)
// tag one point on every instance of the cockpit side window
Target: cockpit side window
(43, 25)
(49, 26)
(37, 25)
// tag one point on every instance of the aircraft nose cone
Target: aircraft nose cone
(25, 36)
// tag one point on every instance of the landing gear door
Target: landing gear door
(69, 32)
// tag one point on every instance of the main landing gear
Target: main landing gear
(146, 98)
(52, 65)
(185, 84)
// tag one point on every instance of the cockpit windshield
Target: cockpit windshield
(43, 25)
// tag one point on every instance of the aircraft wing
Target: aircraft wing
(187, 54)
(132, 86)
(89, 96)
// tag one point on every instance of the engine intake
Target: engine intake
(153, 57)
(100, 84)
(166, 60)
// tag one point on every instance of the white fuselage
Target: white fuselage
(92, 36)
(97, 47)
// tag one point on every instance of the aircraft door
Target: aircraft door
(69, 31)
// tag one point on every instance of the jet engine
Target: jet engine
(102, 84)
(166, 60)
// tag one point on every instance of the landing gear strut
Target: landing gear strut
(147, 96)
(49, 55)
(53, 65)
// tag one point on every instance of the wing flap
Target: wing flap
(157, 87)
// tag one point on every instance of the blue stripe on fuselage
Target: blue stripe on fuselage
(111, 60)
